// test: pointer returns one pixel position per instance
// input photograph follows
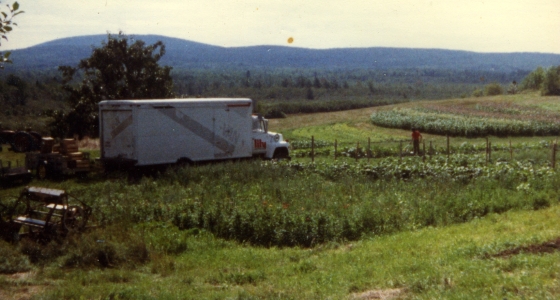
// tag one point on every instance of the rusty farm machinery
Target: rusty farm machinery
(20, 141)
(43, 214)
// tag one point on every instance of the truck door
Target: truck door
(118, 134)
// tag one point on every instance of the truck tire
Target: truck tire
(23, 142)
(281, 154)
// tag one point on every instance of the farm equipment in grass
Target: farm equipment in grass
(20, 141)
(57, 160)
(43, 214)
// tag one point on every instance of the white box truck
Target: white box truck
(152, 132)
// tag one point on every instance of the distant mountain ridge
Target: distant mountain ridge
(184, 54)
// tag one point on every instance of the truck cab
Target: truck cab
(268, 144)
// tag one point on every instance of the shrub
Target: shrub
(275, 114)
(493, 89)
(477, 93)
(551, 82)
(512, 88)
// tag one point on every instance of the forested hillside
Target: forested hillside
(183, 54)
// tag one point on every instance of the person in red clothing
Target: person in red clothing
(416, 137)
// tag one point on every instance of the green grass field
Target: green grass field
(435, 227)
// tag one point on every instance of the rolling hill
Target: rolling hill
(184, 54)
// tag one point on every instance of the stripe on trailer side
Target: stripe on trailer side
(198, 129)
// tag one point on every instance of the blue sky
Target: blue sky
(481, 26)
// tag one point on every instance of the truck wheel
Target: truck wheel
(75, 218)
(281, 154)
(23, 142)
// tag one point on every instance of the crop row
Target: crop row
(302, 204)
(461, 125)
(302, 148)
(459, 167)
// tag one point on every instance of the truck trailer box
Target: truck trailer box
(150, 132)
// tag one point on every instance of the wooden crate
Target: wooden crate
(47, 145)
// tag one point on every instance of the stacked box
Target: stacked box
(82, 163)
(68, 146)
(47, 145)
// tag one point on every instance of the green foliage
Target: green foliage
(512, 88)
(551, 82)
(305, 204)
(14, 93)
(534, 80)
(462, 264)
(6, 24)
(547, 81)
(457, 124)
(493, 89)
(310, 95)
(12, 261)
(332, 214)
(280, 91)
(477, 93)
(109, 247)
(20, 89)
(117, 70)
(275, 114)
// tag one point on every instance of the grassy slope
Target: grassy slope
(445, 263)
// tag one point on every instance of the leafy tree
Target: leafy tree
(551, 82)
(325, 83)
(316, 83)
(20, 93)
(334, 84)
(6, 24)
(534, 80)
(121, 69)
(310, 95)
(286, 82)
(303, 82)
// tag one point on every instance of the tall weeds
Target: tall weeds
(304, 204)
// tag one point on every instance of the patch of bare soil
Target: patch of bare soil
(546, 247)
(379, 294)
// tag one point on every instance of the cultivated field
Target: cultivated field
(374, 223)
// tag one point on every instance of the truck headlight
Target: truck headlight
(276, 137)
